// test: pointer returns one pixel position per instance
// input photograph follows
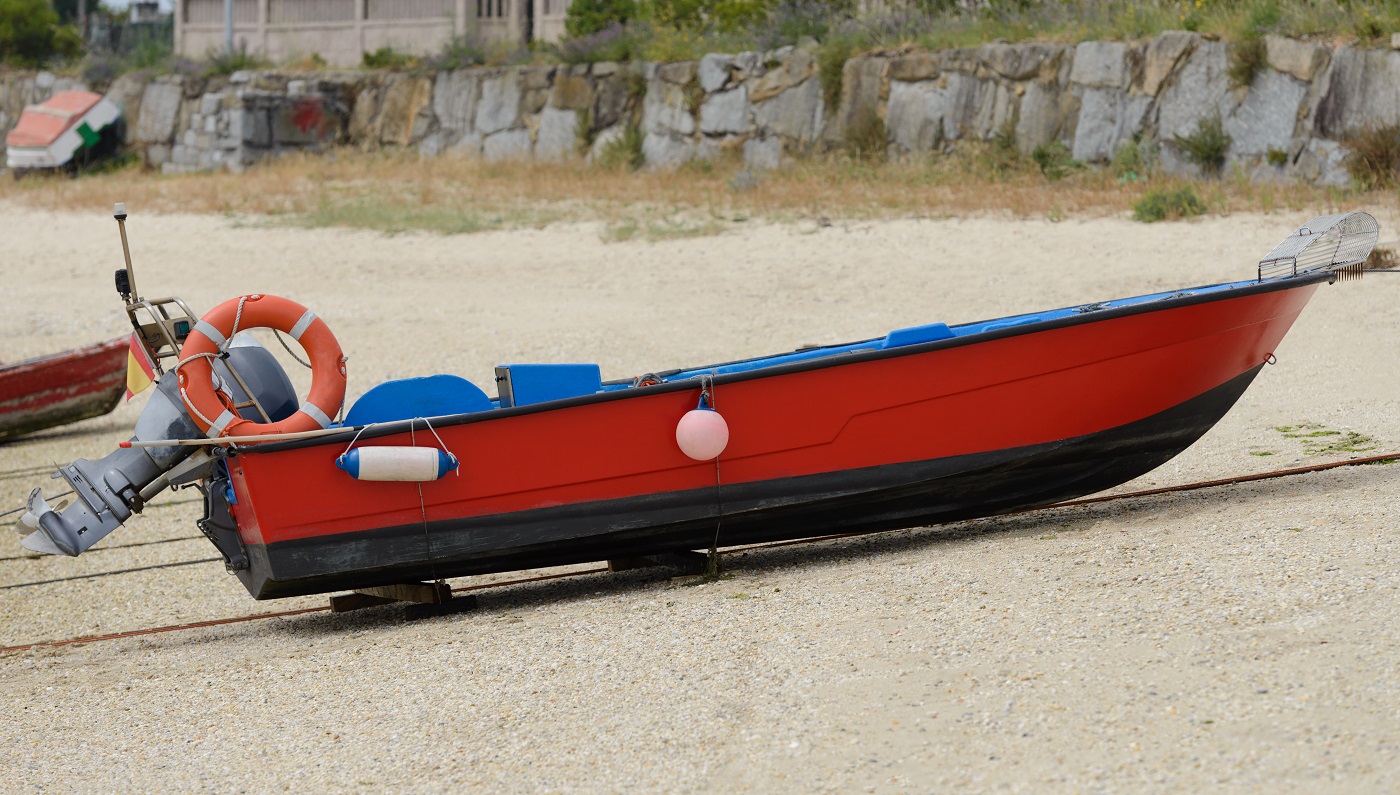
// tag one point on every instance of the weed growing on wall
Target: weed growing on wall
(388, 58)
(1131, 161)
(1248, 54)
(1207, 146)
(1373, 156)
(624, 151)
(831, 65)
(866, 137)
(616, 42)
(226, 63)
(459, 53)
(1055, 161)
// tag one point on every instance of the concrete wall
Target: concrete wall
(341, 31)
(769, 107)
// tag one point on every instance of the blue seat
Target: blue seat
(917, 334)
(406, 398)
(523, 384)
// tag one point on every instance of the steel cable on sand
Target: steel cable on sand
(1204, 484)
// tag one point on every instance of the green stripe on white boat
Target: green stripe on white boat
(90, 138)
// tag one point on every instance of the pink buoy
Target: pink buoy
(702, 434)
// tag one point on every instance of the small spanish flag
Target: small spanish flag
(139, 372)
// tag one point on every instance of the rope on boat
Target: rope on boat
(707, 396)
(289, 350)
(1280, 473)
(423, 505)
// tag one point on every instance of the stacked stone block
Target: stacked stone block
(1290, 122)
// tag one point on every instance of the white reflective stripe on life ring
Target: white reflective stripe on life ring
(314, 412)
(216, 428)
(301, 325)
(214, 335)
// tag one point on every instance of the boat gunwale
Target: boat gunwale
(49, 358)
(379, 430)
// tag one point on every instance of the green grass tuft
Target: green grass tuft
(1318, 439)
(1131, 161)
(1373, 156)
(1207, 146)
(867, 138)
(625, 151)
(832, 56)
(1167, 205)
(1054, 160)
(1247, 59)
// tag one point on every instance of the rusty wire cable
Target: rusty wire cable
(1205, 484)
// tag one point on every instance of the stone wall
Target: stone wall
(769, 107)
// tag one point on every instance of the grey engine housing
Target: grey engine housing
(108, 491)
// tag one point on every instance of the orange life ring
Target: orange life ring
(209, 338)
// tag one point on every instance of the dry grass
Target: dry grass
(400, 191)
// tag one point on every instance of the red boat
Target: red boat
(432, 478)
(965, 426)
(61, 388)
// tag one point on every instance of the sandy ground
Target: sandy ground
(1235, 639)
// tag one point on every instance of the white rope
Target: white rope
(456, 469)
(289, 350)
(189, 404)
(362, 429)
(194, 356)
(237, 318)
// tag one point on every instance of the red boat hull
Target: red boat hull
(62, 388)
(945, 430)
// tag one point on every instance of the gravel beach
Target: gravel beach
(1240, 638)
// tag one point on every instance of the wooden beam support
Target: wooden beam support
(344, 603)
(434, 594)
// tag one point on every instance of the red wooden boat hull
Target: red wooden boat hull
(61, 388)
(946, 430)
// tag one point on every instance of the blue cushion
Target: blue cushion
(406, 398)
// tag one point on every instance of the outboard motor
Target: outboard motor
(108, 491)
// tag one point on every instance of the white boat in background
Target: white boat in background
(56, 132)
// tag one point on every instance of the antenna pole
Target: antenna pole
(119, 213)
